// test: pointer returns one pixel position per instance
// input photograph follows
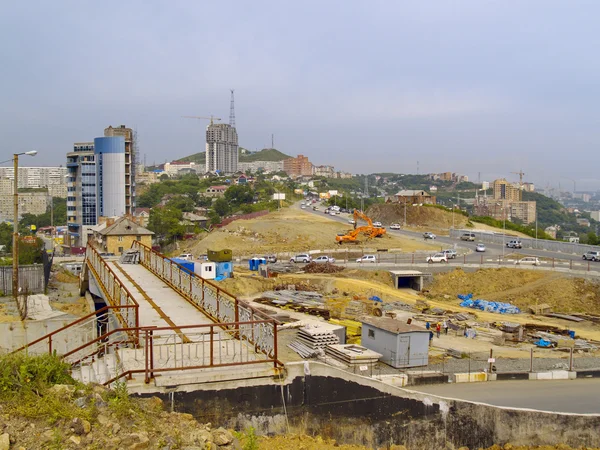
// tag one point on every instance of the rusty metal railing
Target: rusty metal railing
(115, 293)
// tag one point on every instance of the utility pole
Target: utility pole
(405, 212)
(232, 111)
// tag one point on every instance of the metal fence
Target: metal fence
(218, 304)
(532, 243)
(31, 279)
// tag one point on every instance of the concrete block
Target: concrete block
(470, 377)
(544, 376)
(533, 376)
(492, 377)
(560, 374)
(572, 375)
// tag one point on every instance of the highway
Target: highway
(580, 396)
(493, 253)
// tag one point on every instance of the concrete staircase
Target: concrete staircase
(97, 370)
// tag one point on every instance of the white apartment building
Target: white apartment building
(29, 202)
(36, 177)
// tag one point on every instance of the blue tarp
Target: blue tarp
(543, 343)
(376, 299)
(484, 305)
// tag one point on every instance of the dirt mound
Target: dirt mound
(314, 267)
(521, 288)
(420, 216)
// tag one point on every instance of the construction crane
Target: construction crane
(521, 174)
(369, 230)
(211, 118)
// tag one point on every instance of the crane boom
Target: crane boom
(211, 118)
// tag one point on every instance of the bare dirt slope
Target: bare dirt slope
(418, 217)
(290, 230)
(522, 288)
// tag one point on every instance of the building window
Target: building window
(138, 238)
(120, 249)
(120, 238)
(371, 334)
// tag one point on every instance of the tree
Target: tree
(221, 207)
(165, 223)
(239, 194)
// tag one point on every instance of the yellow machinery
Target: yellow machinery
(368, 230)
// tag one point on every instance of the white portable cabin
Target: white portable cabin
(206, 270)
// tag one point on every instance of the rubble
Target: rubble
(314, 267)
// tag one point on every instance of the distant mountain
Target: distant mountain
(266, 154)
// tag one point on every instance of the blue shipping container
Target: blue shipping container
(224, 269)
(189, 265)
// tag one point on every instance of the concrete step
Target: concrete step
(99, 371)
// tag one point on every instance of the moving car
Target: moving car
(367, 259)
(438, 257)
(528, 260)
(186, 256)
(428, 235)
(301, 258)
(480, 247)
(450, 253)
(351, 221)
(395, 226)
(377, 224)
(468, 237)
(302, 207)
(315, 208)
(271, 258)
(592, 256)
(324, 259)
(515, 243)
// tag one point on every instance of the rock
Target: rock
(80, 426)
(235, 445)
(81, 402)
(508, 446)
(4, 441)
(221, 436)
(75, 440)
(116, 428)
(397, 447)
(136, 441)
(201, 437)
(103, 419)
(64, 391)
(99, 401)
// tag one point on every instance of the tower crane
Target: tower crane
(521, 174)
(211, 118)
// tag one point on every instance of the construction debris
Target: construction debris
(352, 355)
(544, 308)
(314, 267)
(565, 317)
(484, 305)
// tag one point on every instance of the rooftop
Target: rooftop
(124, 227)
(392, 325)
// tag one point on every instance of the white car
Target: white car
(324, 259)
(437, 258)
(351, 221)
(480, 248)
(377, 224)
(395, 226)
(301, 258)
(367, 259)
(186, 257)
(528, 260)
(332, 213)
(302, 207)
(428, 235)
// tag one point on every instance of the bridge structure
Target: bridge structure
(158, 323)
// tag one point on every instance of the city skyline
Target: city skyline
(467, 87)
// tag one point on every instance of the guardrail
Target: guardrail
(537, 244)
(116, 294)
(216, 303)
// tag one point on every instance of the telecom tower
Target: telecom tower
(232, 111)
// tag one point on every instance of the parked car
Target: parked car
(367, 259)
(395, 226)
(271, 258)
(106, 254)
(186, 256)
(515, 243)
(351, 221)
(377, 224)
(437, 258)
(324, 259)
(592, 256)
(315, 208)
(468, 237)
(480, 247)
(450, 253)
(301, 258)
(528, 260)
(428, 235)
(333, 213)
(302, 207)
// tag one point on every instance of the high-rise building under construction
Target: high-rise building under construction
(221, 148)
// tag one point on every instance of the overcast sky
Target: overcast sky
(369, 86)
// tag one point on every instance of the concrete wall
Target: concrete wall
(31, 277)
(113, 244)
(354, 409)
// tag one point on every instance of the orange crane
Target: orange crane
(369, 230)
(211, 118)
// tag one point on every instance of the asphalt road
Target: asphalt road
(493, 252)
(581, 396)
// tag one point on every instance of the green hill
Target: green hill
(266, 154)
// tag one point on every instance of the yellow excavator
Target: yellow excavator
(368, 230)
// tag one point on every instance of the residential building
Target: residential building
(261, 166)
(142, 216)
(524, 211)
(551, 231)
(503, 190)
(485, 185)
(101, 181)
(412, 197)
(595, 215)
(29, 202)
(221, 148)
(216, 191)
(342, 175)
(36, 177)
(58, 190)
(298, 166)
(175, 167)
(446, 176)
(148, 177)
(324, 171)
(529, 187)
(117, 236)
(583, 222)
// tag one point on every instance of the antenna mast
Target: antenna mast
(232, 111)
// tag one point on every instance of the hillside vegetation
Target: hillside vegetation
(266, 154)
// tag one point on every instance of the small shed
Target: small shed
(409, 279)
(402, 345)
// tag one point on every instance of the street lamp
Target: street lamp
(15, 241)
